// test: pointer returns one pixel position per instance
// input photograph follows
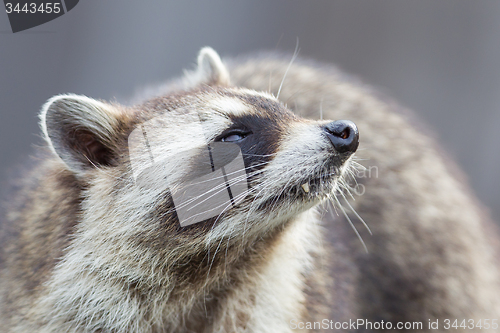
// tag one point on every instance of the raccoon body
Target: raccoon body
(97, 236)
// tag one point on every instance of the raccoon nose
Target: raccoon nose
(343, 135)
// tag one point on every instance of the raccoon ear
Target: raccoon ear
(210, 71)
(80, 130)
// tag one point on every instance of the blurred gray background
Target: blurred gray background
(439, 58)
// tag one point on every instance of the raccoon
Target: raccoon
(102, 234)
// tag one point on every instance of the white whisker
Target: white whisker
(295, 53)
(350, 222)
(356, 213)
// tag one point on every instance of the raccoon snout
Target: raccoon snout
(343, 135)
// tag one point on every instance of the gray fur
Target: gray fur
(84, 251)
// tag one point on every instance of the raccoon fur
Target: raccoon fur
(84, 248)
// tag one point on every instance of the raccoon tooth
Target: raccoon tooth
(305, 186)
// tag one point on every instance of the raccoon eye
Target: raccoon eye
(233, 136)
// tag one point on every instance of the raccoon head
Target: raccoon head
(180, 173)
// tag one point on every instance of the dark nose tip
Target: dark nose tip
(344, 135)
